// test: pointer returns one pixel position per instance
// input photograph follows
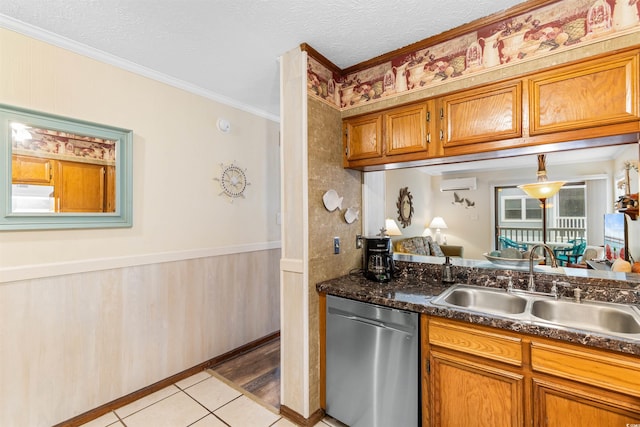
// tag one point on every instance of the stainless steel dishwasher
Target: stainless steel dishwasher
(372, 372)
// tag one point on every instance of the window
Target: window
(520, 208)
(571, 201)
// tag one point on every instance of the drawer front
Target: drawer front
(592, 367)
(494, 346)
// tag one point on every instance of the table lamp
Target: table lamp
(438, 223)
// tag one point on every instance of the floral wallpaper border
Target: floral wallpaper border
(65, 146)
(562, 25)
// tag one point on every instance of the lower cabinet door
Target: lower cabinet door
(470, 393)
(567, 405)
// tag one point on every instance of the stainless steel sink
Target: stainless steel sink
(488, 300)
(603, 317)
(621, 320)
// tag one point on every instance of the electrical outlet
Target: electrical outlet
(358, 241)
(336, 245)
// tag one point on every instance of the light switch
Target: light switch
(336, 245)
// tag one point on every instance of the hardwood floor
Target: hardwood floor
(257, 371)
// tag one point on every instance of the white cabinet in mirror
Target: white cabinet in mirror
(62, 172)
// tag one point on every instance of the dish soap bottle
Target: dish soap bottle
(447, 271)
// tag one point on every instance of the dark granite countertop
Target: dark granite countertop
(414, 288)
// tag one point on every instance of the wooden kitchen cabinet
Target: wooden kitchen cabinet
(397, 135)
(80, 187)
(470, 393)
(574, 386)
(486, 114)
(561, 404)
(362, 137)
(405, 130)
(592, 93)
(485, 376)
(31, 170)
(591, 98)
(475, 376)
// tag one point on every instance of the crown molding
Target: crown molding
(107, 58)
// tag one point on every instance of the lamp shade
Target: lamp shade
(542, 190)
(392, 228)
(438, 222)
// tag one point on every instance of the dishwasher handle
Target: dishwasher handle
(396, 327)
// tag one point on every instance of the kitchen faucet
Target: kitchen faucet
(554, 263)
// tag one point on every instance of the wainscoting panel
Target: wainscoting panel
(71, 343)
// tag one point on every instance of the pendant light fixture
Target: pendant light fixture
(542, 190)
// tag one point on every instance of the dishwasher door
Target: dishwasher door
(372, 372)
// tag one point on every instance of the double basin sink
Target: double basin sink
(621, 320)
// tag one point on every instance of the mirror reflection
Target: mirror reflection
(63, 173)
(56, 171)
(493, 213)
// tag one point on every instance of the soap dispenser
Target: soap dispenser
(447, 271)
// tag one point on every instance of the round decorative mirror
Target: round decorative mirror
(405, 207)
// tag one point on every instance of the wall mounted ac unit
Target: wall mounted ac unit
(458, 184)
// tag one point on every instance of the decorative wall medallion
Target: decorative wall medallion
(405, 207)
(233, 181)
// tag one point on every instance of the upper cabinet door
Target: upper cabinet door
(595, 93)
(485, 114)
(406, 130)
(363, 137)
(30, 170)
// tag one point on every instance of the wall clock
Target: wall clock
(405, 207)
(233, 181)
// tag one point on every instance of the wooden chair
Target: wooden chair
(508, 243)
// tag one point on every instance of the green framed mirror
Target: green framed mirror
(63, 173)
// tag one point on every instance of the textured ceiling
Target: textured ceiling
(229, 48)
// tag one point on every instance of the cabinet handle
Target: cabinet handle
(428, 137)
(442, 113)
(428, 116)
(441, 135)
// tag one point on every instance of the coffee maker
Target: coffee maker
(378, 259)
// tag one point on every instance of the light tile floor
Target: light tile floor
(202, 400)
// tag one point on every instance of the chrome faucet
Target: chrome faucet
(554, 263)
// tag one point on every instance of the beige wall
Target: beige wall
(177, 153)
(419, 185)
(87, 316)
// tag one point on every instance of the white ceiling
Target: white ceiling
(228, 49)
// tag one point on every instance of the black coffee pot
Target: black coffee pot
(378, 259)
